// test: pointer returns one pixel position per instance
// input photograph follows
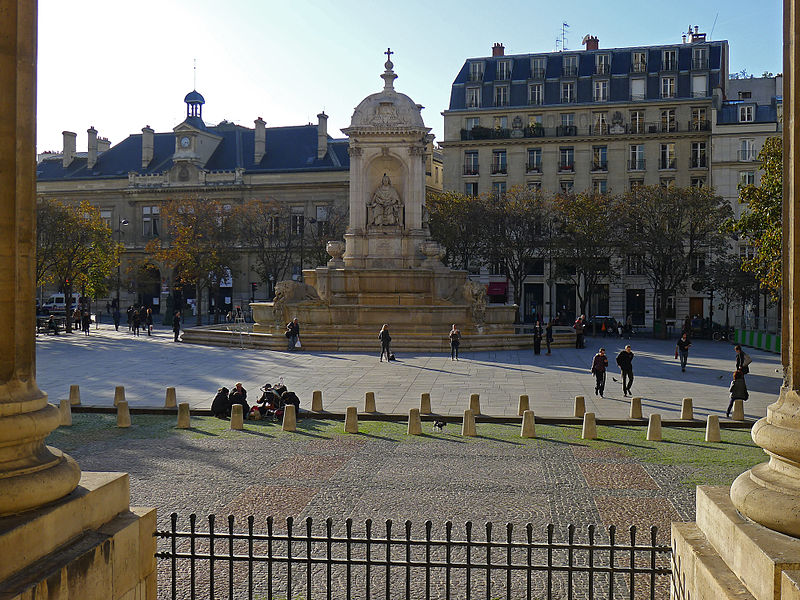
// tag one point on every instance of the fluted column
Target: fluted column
(31, 474)
(769, 493)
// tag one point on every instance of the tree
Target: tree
(670, 229)
(761, 222)
(457, 222)
(75, 248)
(200, 246)
(319, 232)
(724, 275)
(584, 233)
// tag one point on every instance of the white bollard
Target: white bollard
(468, 426)
(65, 412)
(654, 428)
(119, 394)
(589, 431)
(351, 420)
(528, 425)
(369, 402)
(316, 401)
(171, 399)
(237, 417)
(123, 414)
(75, 395)
(712, 429)
(414, 422)
(636, 408)
(687, 411)
(738, 410)
(580, 406)
(425, 404)
(475, 404)
(184, 420)
(524, 404)
(289, 418)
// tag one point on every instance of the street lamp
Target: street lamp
(122, 223)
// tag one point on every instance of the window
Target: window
(566, 186)
(667, 182)
(698, 160)
(746, 113)
(566, 159)
(534, 164)
(602, 64)
(700, 57)
(106, 216)
(747, 177)
(323, 221)
(500, 122)
(535, 93)
(746, 251)
(151, 221)
(668, 87)
(744, 95)
(600, 186)
(747, 150)
(639, 62)
(499, 188)
(538, 67)
(298, 220)
(699, 120)
(471, 188)
(476, 71)
(471, 162)
(698, 182)
(471, 123)
(698, 264)
(699, 86)
(273, 225)
(669, 60)
(634, 184)
(638, 88)
(535, 186)
(499, 165)
(667, 156)
(601, 90)
(501, 95)
(534, 120)
(635, 264)
(637, 121)
(473, 97)
(570, 66)
(503, 70)
(567, 91)
(599, 158)
(668, 122)
(600, 123)
(636, 157)
(567, 124)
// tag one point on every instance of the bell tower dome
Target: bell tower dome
(194, 104)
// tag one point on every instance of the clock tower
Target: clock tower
(194, 142)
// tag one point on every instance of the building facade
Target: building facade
(603, 120)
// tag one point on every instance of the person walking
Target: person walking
(548, 335)
(738, 390)
(455, 342)
(682, 349)
(176, 324)
(130, 312)
(580, 327)
(86, 322)
(116, 316)
(599, 366)
(292, 334)
(135, 322)
(629, 326)
(148, 321)
(625, 364)
(385, 338)
(742, 360)
(537, 338)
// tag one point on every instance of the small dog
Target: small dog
(439, 425)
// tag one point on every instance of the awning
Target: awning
(497, 288)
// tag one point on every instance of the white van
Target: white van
(57, 303)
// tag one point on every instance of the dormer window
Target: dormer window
(504, 70)
(744, 95)
(669, 60)
(538, 66)
(476, 71)
(700, 57)
(639, 64)
(473, 97)
(570, 67)
(602, 64)
(501, 95)
(747, 113)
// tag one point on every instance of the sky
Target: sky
(118, 66)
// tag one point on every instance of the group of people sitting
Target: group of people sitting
(271, 403)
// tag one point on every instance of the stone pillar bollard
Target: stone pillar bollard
(580, 406)
(636, 408)
(468, 425)
(237, 417)
(524, 404)
(351, 420)
(75, 394)
(414, 422)
(589, 431)
(475, 404)
(712, 429)
(184, 421)
(528, 425)
(123, 414)
(289, 418)
(65, 412)
(316, 401)
(171, 399)
(425, 404)
(119, 394)
(687, 412)
(738, 410)
(654, 428)
(369, 402)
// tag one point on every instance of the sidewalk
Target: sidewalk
(147, 365)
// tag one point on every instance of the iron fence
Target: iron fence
(288, 562)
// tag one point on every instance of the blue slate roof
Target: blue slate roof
(728, 113)
(194, 97)
(287, 149)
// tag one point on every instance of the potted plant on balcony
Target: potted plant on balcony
(535, 130)
(481, 133)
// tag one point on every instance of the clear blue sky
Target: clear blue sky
(119, 66)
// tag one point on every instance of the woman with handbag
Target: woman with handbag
(385, 338)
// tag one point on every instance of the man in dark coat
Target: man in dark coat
(625, 364)
(176, 324)
(238, 395)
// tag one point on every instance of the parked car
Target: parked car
(57, 303)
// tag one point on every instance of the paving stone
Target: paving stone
(617, 476)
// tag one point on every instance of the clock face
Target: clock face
(185, 142)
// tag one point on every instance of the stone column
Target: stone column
(769, 493)
(31, 474)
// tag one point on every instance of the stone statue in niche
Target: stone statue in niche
(384, 206)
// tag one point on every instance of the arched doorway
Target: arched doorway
(148, 287)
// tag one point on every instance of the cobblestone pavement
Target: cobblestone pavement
(148, 364)
(382, 474)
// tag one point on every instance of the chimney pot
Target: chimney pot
(68, 154)
(498, 50)
(591, 42)
(260, 140)
(147, 146)
(91, 158)
(322, 135)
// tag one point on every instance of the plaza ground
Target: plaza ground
(148, 364)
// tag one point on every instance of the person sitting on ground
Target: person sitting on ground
(238, 395)
(52, 325)
(738, 390)
(221, 406)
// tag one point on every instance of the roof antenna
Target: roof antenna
(712, 27)
(194, 74)
(564, 27)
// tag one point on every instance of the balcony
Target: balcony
(698, 162)
(537, 73)
(485, 133)
(699, 125)
(499, 169)
(569, 71)
(533, 167)
(700, 63)
(566, 168)
(601, 129)
(535, 130)
(639, 67)
(599, 165)
(602, 69)
(637, 127)
(749, 155)
(637, 164)
(471, 169)
(666, 163)
(566, 130)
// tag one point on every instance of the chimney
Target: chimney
(102, 145)
(322, 135)
(498, 50)
(68, 155)
(591, 42)
(91, 159)
(147, 146)
(260, 140)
